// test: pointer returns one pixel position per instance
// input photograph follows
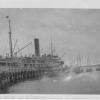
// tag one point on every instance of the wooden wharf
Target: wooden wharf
(10, 76)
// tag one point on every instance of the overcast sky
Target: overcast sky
(76, 32)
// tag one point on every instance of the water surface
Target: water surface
(87, 83)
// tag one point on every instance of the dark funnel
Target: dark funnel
(37, 49)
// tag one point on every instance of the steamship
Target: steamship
(50, 64)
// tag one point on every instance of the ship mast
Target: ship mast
(10, 39)
(51, 47)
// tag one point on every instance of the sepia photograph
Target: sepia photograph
(49, 51)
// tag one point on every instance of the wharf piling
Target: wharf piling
(8, 78)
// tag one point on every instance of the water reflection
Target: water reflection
(64, 84)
